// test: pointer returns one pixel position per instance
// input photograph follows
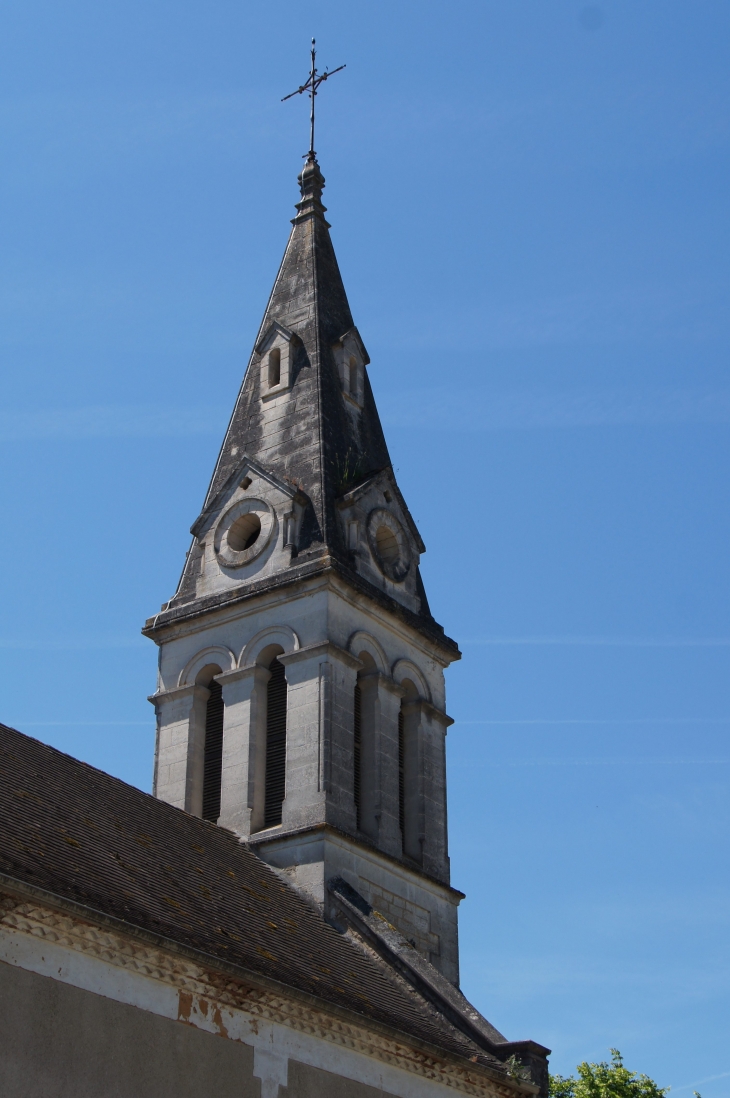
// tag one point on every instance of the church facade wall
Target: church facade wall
(64, 1042)
(88, 1011)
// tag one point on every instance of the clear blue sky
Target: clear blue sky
(529, 205)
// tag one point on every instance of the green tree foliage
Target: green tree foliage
(605, 1081)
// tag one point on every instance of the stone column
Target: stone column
(435, 848)
(340, 731)
(243, 772)
(317, 746)
(181, 746)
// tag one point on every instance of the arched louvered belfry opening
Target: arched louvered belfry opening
(402, 775)
(364, 761)
(409, 782)
(213, 758)
(357, 756)
(275, 785)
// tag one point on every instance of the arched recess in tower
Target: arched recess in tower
(213, 744)
(271, 765)
(365, 747)
(275, 757)
(409, 773)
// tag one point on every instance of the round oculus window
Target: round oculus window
(243, 531)
(389, 544)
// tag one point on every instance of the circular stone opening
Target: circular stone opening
(387, 545)
(244, 532)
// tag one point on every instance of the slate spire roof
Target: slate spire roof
(314, 444)
(312, 439)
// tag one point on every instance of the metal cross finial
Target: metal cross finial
(312, 86)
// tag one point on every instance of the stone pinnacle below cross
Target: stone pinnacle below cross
(311, 185)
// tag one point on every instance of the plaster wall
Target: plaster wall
(62, 1042)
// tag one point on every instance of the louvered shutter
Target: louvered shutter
(401, 774)
(275, 744)
(213, 753)
(357, 753)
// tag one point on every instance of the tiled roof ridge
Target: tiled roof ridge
(419, 972)
(371, 927)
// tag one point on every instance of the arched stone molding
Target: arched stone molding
(281, 636)
(216, 654)
(405, 669)
(364, 642)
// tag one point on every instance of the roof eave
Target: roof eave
(23, 889)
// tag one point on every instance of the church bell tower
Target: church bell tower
(300, 699)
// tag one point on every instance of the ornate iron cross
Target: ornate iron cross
(312, 86)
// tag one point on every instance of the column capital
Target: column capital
(378, 679)
(421, 705)
(177, 693)
(323, 648)
(253, 671)
(389, 684)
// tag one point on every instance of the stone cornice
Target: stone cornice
(425, 706)
(190, 690)
(323, 566)
(259, 838)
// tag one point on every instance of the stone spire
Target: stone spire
(308, 415)
(313, 443)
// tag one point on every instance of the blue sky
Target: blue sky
(529, 206)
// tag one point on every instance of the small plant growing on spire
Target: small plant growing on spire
(349, 471)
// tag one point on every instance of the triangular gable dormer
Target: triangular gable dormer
(382, 538)
(249, 530)
(351, 358)
(276, 353)
(247, 469)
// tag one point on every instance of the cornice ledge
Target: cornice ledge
(431, 711)
(323, 648)
(321, 566)
(175, 693)
(262, 838)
